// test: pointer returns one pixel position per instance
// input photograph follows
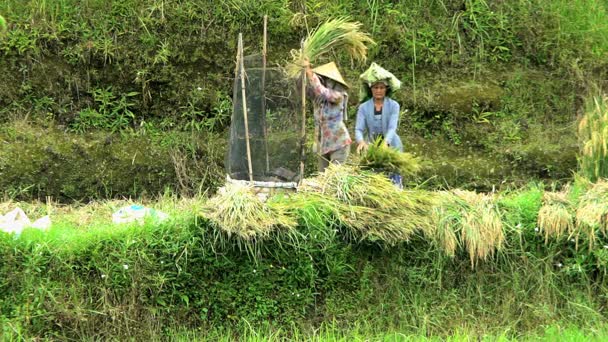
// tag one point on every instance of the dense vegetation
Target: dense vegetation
(335, 268)
(128, 98)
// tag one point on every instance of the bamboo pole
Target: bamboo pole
(303, 129)
(264, 93)
(242, 66)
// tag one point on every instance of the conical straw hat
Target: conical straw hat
(330, 70)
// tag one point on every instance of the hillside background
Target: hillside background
(103, 99)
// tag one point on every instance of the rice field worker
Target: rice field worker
(378, 113)
(332, 140)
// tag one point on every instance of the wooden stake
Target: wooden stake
(264, 94)
(303, 130)
(243, 94)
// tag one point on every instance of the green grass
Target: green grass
(95, 279)
(331, 333)
(362, 261)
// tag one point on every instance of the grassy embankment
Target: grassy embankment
(503, 80)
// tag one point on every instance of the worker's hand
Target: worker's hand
(361, 147)
(305, 63)
(306, 66)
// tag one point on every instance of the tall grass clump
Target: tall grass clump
(592, 213)
(236, 210)
(555, 217)
(467, 219)
(520, 208)
(339, 33)
(593, 135)
(2, 24)
(583, 26)
(368, 204)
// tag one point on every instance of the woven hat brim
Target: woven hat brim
(330, 70)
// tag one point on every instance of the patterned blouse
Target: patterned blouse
(329, 117)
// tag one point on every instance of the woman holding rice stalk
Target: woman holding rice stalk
(330, 99)
(378, 114)
(328, 86)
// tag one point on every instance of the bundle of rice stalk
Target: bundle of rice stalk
(446, 219)
(378, 225)
(353, 186)
(313, 210)
(370, 205)
(555, 217)
(237, 210)
(482, 229)
(381, 158)
(333, 34)
(476, 219)
(362, 223)
(592, 213)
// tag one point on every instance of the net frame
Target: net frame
(255, 177)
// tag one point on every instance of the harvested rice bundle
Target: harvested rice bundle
(353, 186)
(381, 158)
(379, 225)
(336, 33)
(482, 229)
(555, 217)
(446, 217)
(473, 218)
(237, 210)
(592, 213)
(369, 204)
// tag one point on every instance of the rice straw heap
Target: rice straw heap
(555, 217)
(237, 210)
(368, 204)
(333, 34)
(592, 213)
(471, 216)
(381, 158)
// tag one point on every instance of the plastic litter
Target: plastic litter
(137, 213)
(43, 223)
(15, 221)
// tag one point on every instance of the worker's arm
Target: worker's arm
(318, 88)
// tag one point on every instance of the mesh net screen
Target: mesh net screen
(273, 103)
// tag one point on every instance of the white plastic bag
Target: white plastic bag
(14, 222)
(137, 213)
(43, 223)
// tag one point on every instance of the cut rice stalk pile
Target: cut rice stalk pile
(381, 158)
(471, 216)
(369, 204)
(446, 217)
(237, 210)
(333, 34)
(555, 218)
(592, 213)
